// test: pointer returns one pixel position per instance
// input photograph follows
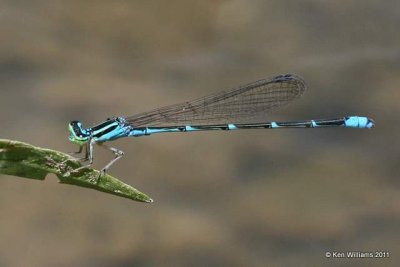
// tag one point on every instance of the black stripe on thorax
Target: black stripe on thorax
(104, 128)
(105, 131)
(102, 125)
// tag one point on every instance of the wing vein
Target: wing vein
(246, 103)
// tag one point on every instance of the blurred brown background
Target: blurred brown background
(245, 198)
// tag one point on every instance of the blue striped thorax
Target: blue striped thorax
(109, 130)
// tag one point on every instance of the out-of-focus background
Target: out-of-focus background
(245, 198)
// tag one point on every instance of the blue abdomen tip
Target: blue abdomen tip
(359, 122)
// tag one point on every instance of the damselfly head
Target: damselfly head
(77, 134)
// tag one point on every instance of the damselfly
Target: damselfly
(244, 107)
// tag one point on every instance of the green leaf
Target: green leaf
(24, 160)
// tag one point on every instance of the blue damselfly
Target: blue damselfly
(244, 107)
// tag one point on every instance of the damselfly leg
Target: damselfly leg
(76, 152)
(89, 156)
(85, 157)
(118, 154)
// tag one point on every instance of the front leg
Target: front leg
(88, 155)
(87, 152)
(76, 152)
